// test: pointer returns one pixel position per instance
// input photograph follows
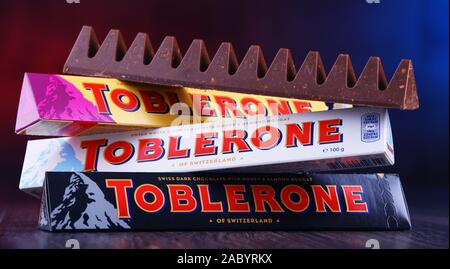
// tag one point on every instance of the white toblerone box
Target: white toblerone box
(308, 142)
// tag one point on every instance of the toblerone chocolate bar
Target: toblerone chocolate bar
(75, 201)
(306, 142)
(60, 105)
(167, 65)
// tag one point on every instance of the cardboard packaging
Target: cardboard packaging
(74, 201)
(307, 142)
(59, 105)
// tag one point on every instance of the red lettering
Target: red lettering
(127, 151)
(279, 108)
(286, 198)
(150, 149)
(353, 199)
(265, 194)
(260, 139)
(174, 149)
(235, 137)
(120, 186)
(227, 106)
(172, 98)
(329, 131)
(132, 104)
(204, 144)
(181, 198)
(296, 133)
(154, 102)
(92, 148)
(247, 104)
(99, 96)
(158, 198)
(302, 106)
(327, 197)
(201, 105)
(234, 194)
(205, 200)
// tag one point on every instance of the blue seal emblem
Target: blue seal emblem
(370, 127)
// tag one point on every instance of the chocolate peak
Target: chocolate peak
(167, 66)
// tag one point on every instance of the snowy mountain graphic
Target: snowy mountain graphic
(43, 221)
(62, 100)
(57, 155)
(84, 207)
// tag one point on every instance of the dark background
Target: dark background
(36, 36)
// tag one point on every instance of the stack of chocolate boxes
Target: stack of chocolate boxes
(159, 141)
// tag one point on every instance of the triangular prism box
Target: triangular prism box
(61, 105)
(307, 142)
(99, 201)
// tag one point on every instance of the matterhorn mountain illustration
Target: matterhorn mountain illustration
(84, 207)
(62, 100)
(44, 222)
(64, 160)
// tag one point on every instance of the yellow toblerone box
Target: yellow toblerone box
(59, 105)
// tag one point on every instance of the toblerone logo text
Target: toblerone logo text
(158, 103)
(186, 199)
(205, 143)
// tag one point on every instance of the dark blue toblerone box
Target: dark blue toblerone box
(82, 201)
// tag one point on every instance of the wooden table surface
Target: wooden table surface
(18, 230)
